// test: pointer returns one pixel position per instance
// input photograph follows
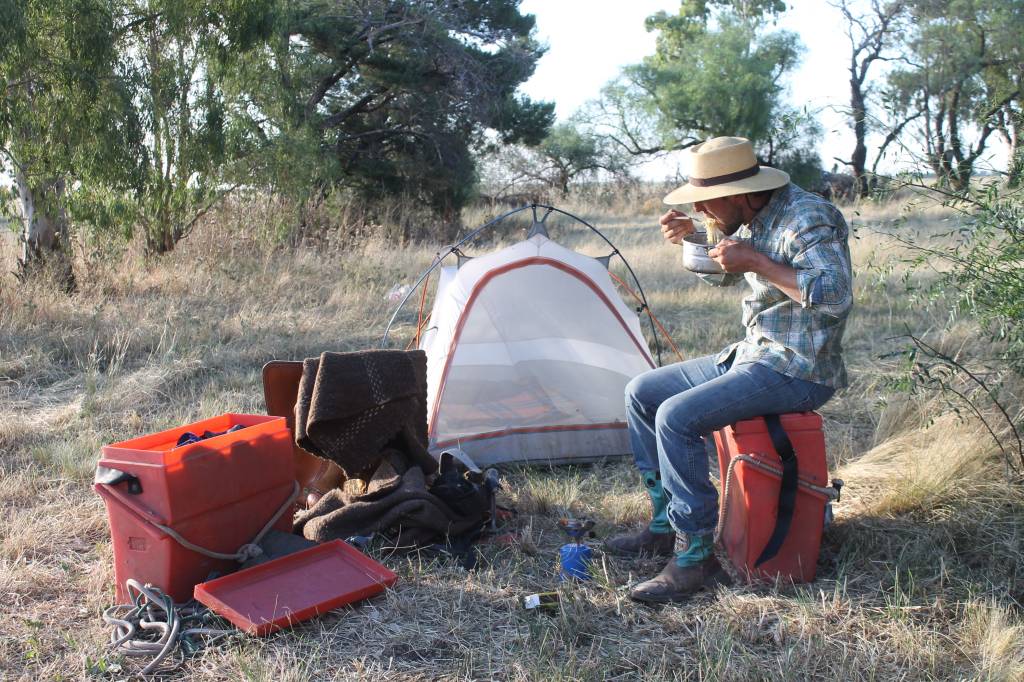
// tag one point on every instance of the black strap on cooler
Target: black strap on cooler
(787, 490)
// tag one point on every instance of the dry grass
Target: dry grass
(921, 577)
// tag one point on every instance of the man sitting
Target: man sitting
(791, 247)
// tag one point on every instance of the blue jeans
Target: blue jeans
(670, 410)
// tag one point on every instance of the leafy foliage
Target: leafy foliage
(792, 146)
(715, 71)
(390, 97)
(121, 116)
(722, 81)
(986, 271)
(177, 54)
(965, 60)
(979, 277)
(153, 110)
(65, 113)
(570, 153)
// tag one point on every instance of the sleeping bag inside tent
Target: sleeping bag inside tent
(529, 350)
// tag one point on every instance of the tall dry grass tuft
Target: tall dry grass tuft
(995, 639)
(917, 468)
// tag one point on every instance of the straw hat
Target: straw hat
(722, 167)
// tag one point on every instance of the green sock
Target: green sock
(699, 549)
(659, 503)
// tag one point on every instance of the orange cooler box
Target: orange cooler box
(751, 507)
(217, 493)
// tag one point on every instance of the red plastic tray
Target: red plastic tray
(294, 588)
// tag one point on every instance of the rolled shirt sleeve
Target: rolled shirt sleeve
(821, 259)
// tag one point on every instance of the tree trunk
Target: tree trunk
(45, 238)
(960, 179)
(1015, 167)
(860, 150)
(563, 182)
(951, 172)
(160, 238)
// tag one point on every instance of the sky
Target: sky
(589, 41)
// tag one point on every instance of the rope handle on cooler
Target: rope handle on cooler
(833, 492)
(249, 550)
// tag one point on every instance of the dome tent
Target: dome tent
(529, 350)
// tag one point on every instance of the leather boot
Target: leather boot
(658, 538)
(643, 543)
(692, 569)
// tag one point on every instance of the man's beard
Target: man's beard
(722, 227)
(730, 228)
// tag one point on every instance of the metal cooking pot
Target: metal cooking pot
(695, 255)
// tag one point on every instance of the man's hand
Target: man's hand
(737, 256)
(676, 225)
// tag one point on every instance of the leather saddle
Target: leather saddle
(280, 391)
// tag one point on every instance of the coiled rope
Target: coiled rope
(153, 626)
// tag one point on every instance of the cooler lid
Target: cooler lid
(793, 421)
(296, 587)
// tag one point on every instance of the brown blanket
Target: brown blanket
(395, 503)
(351, 405)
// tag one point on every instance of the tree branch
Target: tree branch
(935, 353)
(892, 135)
(217, 198)
(325, 84)
(355, 108)
(145, 19)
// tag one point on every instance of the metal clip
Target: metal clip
(838, 484)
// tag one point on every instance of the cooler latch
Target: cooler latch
(837, 485)
(109, 476)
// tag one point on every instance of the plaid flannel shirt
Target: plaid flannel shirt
(799, 339)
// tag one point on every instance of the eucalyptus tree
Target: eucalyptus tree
(66, 117)
(963, 79)
(387, 98)
(570, 153)
(874, 32)
(725, 80)
(178, 55)
(1009, 123)
(1004, 81)
(716, 70)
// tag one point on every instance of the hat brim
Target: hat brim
(765, 179)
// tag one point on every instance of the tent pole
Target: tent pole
(439, 258)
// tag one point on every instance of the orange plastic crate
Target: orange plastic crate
(217, 493)
(752, 507)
